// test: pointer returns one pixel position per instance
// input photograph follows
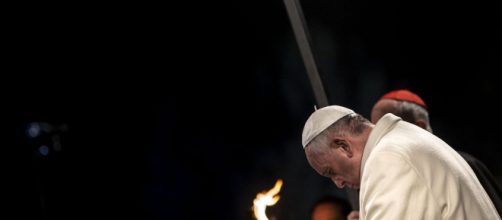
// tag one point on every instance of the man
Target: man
(330, 208)
(411, 108)
(403, 171)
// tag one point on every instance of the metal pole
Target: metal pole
(304, 43)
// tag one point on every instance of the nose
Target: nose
(338, 182)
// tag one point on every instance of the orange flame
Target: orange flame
(265, 199)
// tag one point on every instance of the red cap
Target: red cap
(405, 95)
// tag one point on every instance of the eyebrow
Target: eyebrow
(325, 172)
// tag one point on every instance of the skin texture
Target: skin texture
(354, 215)
(339, 158)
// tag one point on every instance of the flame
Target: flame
(265, 199)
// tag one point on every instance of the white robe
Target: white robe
(408, 173)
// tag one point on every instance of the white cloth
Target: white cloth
(408, 173)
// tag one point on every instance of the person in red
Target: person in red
(411, 108)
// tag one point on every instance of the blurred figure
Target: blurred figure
(330, 208)
(404, 104)
(411, 108)
(403, 171)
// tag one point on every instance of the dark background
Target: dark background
(187, 110)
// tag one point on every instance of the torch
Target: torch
(264, 199)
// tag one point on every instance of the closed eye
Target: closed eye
(328, 173)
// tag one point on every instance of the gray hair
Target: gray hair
(352, 124)
(411, 112)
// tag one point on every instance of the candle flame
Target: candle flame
(264, 199)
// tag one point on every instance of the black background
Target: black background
(187, 110)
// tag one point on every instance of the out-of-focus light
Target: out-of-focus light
(33, 130)
(44, 150)
(264, 199)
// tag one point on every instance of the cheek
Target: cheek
(344, 167)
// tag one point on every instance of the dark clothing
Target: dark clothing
(486, 179)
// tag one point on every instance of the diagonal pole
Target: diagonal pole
(304, 43)
(299, 25)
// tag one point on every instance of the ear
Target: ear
(421, 123)
(344, 147)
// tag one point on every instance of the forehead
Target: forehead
(317, 159)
